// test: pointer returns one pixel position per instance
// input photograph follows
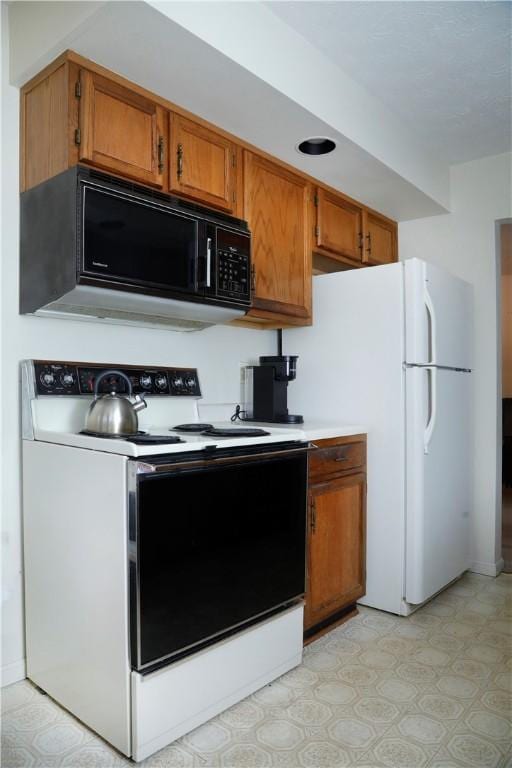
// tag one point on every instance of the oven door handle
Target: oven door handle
(145, 468)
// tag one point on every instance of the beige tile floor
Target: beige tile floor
(429, 691)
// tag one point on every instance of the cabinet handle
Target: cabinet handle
(341, 458)
(180, 161)
(313, 515)
(253, 277)
(369, 238)
(160, 154)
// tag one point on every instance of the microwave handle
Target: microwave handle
(208, 262)
(205, 262)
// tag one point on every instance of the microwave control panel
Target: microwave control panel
(233, 265)
(58, 378)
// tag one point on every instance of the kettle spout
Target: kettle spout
(139, 403)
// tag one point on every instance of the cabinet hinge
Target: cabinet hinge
(78, 136)
(315, 199)
(78, 89)
(317, 231)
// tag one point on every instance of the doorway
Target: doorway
(506, 385)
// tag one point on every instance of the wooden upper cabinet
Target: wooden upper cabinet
(336, 546)
(339, 226)
(276, 206)
(380, 239)
(75, 111)
(121, 130)
(49, 116)
(203, 164)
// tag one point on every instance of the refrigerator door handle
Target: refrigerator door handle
(431, 327)
(432, 409)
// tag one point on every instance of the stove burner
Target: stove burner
(117, 436)
(235, 432)
(192, 427)
(154, 440)
(139, 438)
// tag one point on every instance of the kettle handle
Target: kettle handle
(108, 373)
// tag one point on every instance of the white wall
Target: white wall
(506, 309)
(464, 242)
(216, 352)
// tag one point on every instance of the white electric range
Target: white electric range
(163, 581)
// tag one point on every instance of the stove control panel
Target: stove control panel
(59, 378)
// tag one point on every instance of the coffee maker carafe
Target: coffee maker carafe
(270, 389)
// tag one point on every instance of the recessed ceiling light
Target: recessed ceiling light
(316, 145)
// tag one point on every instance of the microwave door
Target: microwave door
(131, 241)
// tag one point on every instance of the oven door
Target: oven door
(215, 543)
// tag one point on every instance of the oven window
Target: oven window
(129, 241)
(216, 548)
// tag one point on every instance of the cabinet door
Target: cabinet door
(49, 115)
(276, 205)
(336, 546)
(380, 239)
(203, 164)
(121, 131)
(339, 226)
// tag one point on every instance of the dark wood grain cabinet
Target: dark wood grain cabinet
(336, 548)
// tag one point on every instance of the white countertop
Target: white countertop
(314, 429)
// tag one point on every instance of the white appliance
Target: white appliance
(129, 548)
(391, 347)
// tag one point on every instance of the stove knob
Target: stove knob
(145, 381)
(190, 382)
(67, 379)
(177, 381)
(47, 378)
(161, 381)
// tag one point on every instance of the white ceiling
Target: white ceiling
(399, 115)
(442, 67)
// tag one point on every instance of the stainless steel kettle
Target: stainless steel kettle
(113, 414)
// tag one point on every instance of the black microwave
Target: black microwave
(84, 228)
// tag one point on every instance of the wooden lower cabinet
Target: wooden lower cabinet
(336, 549)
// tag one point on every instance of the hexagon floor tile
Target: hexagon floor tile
(428, 691)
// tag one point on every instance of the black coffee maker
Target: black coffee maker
(270, 387)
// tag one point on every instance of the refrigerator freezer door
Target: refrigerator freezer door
(438, 310)
(438, 479)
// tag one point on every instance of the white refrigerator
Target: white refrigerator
(391, 348)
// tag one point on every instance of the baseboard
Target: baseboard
(488, 569)
(11, 673)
